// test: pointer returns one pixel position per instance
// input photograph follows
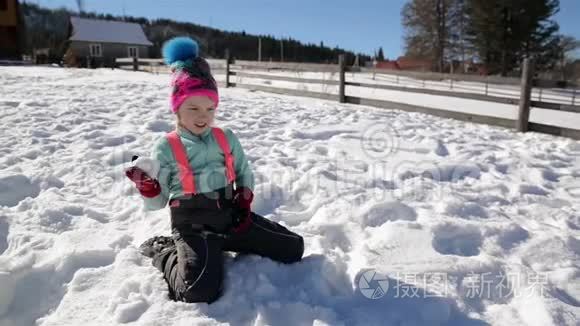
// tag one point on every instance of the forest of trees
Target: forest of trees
(48, 28)
(497, 33)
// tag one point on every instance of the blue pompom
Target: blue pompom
(180, 49)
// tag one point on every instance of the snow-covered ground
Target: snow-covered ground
(507, 111)
(462, 224)
(563, 96)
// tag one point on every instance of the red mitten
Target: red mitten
(147, 186)
(243, 198)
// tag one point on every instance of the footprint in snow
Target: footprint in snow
(455, 239)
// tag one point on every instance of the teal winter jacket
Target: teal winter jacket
(207, 162)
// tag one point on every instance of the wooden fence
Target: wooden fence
(157, 66)
(490, 89)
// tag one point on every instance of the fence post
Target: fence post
(486, 85)
(228, 68)
(135, 64)
(341, 67)
(525, 96)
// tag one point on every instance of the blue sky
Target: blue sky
(361, 26)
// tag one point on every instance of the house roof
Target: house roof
(105, 31)
(411, 63)
(393, 65)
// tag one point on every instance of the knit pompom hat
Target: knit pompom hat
(191, 74)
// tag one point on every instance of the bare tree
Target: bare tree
(567, 45)
(426, 24)
(458, 45)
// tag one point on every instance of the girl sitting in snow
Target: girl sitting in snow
(197, 166)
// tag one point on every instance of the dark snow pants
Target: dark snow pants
(202, 230)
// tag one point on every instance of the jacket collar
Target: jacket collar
(183, 132)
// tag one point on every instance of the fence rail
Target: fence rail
(441, 76)
(510, 91)
(284, 78)
(158, 66)
(470, 96)
(293, 66)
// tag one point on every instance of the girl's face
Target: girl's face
(196, 114)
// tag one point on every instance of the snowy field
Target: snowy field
(555, 95)
(408, 219)
(507, 111)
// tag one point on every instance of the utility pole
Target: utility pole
(80, 5)
(124, 11)
(281, 50)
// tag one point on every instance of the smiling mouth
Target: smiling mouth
(200, 125)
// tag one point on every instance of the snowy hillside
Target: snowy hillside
(408, 219)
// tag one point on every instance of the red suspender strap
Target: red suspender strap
(185, 172)
(222, 141)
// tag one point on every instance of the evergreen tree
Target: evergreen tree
(48, 28)
(500, 33)
(503, 32)
(381, 55)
